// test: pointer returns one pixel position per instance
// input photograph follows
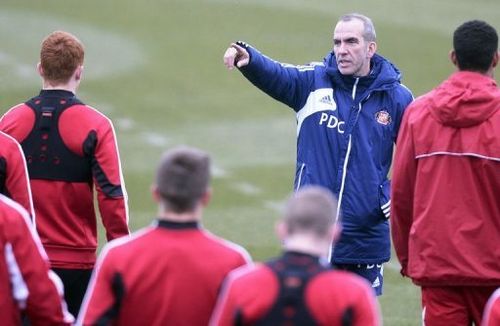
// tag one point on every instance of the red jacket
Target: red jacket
(65, 214)
(14, 182)
(252, 291)
(26, 284)
(167, 274)
(446, 185)
(491, 315)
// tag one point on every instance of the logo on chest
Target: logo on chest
(332, 122)
(383, 117)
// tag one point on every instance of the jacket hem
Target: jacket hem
(69, 257)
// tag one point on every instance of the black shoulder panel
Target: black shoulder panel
(47, 156)
(290, 308)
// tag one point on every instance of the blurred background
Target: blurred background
(155, 68)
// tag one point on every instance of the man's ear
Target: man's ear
(495, 59)
(453, 58)
(372, 48)
(206, 197)
(79, 72)
(155, 193)
(39, 69)
(281, 230)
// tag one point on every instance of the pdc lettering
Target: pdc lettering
(332, 122)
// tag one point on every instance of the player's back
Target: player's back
(330, 297)
(169, 274)
(69, 146)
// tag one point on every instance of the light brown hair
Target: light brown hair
(60, 55)
(182, 178)
(311, 209)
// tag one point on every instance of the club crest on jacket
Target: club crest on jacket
(383, 117)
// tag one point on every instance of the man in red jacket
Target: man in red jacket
(69, 148)
(168, 273)
(26, 283)
(299, 288)
(14, 181)
(446, 185)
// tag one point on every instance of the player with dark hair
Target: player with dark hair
(348, 112)
(446, 185)
(14, 181)
(299, 288)
(168, 273)
(26, 284)
(69, 148)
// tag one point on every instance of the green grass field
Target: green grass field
(155, 68)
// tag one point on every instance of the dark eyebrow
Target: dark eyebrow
(347, 40)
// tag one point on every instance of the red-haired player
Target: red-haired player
(69, 148)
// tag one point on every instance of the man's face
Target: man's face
(352, 52)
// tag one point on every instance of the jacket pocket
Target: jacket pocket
(385, 198)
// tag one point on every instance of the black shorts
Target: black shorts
(75, 283)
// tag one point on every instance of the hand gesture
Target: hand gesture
(236, 55)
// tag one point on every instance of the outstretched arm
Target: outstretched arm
(286, 83)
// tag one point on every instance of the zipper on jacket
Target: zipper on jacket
(344, 168)
(344, 173)
(342, 183)
(300, 176)
(354, 88)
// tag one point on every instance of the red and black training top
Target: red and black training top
(295, 289)
(26, 284)
(166, 274)
(70, 147)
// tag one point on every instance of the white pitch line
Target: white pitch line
(247, 188)
(155, 139)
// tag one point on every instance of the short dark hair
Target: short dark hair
(182, 177)
(475, 43)
(311, 209)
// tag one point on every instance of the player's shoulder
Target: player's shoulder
(87, 112)
(81, 118)
(127, 246)
(225, 246)
(19, 112)
(19, 109)
(10, 149)
(7, 142)
(418, 107)
(253, 275)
